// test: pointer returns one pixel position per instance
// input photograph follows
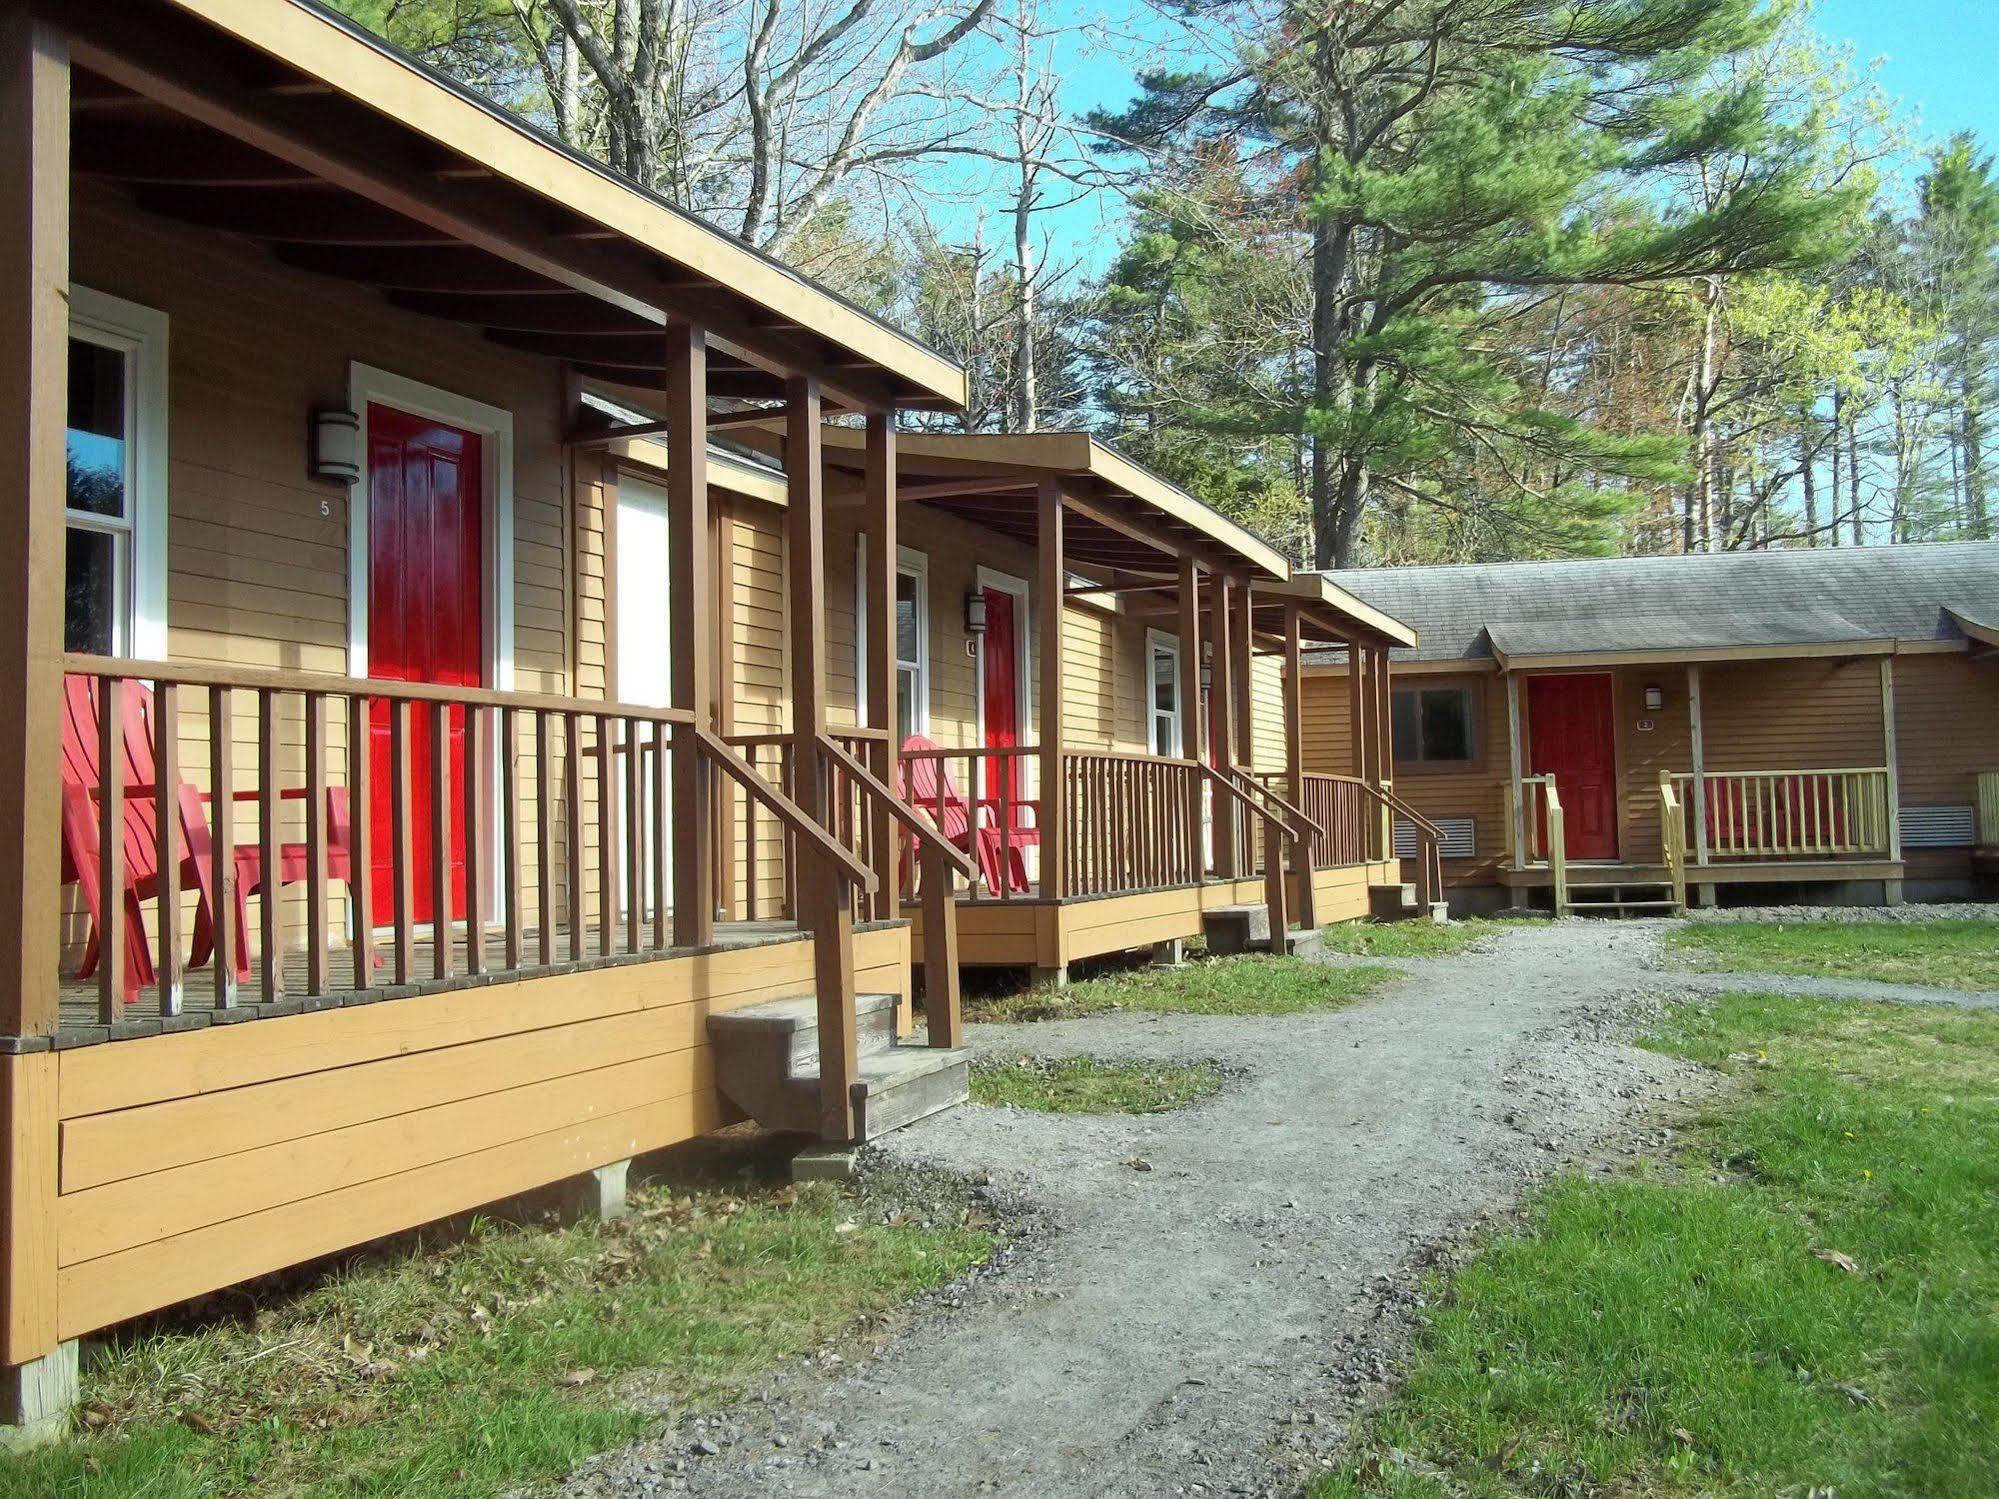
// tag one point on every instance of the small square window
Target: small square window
(1433, 726)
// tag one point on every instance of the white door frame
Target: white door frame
(1023, 627)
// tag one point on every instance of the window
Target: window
(1162, 653)
(114, 479)
(1433, 726)
(912, 663)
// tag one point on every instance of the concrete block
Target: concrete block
(38, 1398)
(598, 1194)
(824, 1163)
(1051, 978)
(1236, 929)
(1171, 954)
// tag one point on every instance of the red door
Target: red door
(1572, 735)
(1000, 692)
(424, 610)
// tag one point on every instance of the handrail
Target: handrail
(918, 825)
(1429, 837)
(1673, 838)
(1309, 828)
(786, 810)
(263, 679)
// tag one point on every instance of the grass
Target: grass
(1936, 954)
(1799, 1301)
(1405, 939)
(495, 1360)
(1255, 985)
(1089, 1085)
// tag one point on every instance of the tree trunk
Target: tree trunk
(1974, 457)
(1853, 479)
(1026, 395)
(1808, 479)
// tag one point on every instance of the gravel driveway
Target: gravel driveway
(1208, 1292)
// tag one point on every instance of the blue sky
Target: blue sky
(1939, 59)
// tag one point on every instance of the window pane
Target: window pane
(1402, 726)
(96, 448)
(1447, 724)
(1162, 683)
(905, 703)
(907, 639)
(90, 600)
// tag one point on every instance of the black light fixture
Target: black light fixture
(975, 611)
(336, 445)
(1207, 663)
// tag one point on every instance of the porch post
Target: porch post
(1294, 756)
(1052, 584)
(693, 616)
(1516, 801)
(1241, 655)
(1221, 722)
(1894, 787)
(822, 901)
(880, 665)
(34, 350)
(1357, 708)
(38, 1382)
(1697, 745)
(1190, 703)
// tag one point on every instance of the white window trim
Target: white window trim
(495, 425)
(141, 332)
(1158, 641)
(915, 565)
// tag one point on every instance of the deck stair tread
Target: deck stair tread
(767, 1064)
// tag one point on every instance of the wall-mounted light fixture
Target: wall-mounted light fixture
(975, 611)
(1207, 663)
(336, 445)
(1655, 698)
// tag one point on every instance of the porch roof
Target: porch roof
(1330, 613)
(285, 123)
(1125, 518)
(1832, 601)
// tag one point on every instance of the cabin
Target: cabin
(466, 624)
(1629, 734)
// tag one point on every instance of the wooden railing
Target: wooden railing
(1988, 809)
(1792, 814)
(514, 785)
(1673, 838)
(1348, 818)
(1429, 880)
(1544, 833)
(769, 867)
(1129, 822)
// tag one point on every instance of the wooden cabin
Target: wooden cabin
(1751, 727)
(1007, 542)
(453, 724)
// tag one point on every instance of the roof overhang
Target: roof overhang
(1120, 514)
(1337, 614)
(1981, 639)
(281, 122)
(1692, 655)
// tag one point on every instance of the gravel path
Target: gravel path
(1209, 1291)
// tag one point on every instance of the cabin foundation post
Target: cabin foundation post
(1056, 977)
(1294, 760)
(598, 1194)
(1707, 896)
(37, 1398)
(879, 669)
(1169, 954)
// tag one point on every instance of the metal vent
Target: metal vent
(1938, 827)
(1460, 840)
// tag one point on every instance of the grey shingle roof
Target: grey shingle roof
(1826, 596)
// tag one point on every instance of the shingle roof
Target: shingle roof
(1828, 596)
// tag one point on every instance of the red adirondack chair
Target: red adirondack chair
(81, 776)
(927, 784)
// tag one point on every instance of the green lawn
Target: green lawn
(1090, 1085)
(1406, 939)
(1800, 1302)
(1939, 954)
(494, 1361)
(1255, 985)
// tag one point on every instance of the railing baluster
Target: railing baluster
(662, 748)
(440, 840)
(166, 827)
(361, 837)
(635, 829)
(544, 842)
(572, 777)
(315, 843)
(510, 833)
(402, 836)
(752, 838)
(478, 752)
(222, 842)
(271, 901)
(111, 954)
(607, 835)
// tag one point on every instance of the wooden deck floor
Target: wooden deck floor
(83, 1022)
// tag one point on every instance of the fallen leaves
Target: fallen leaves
(575, 1379)
(1838, 1260)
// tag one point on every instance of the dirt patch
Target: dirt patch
(1196, 1300)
